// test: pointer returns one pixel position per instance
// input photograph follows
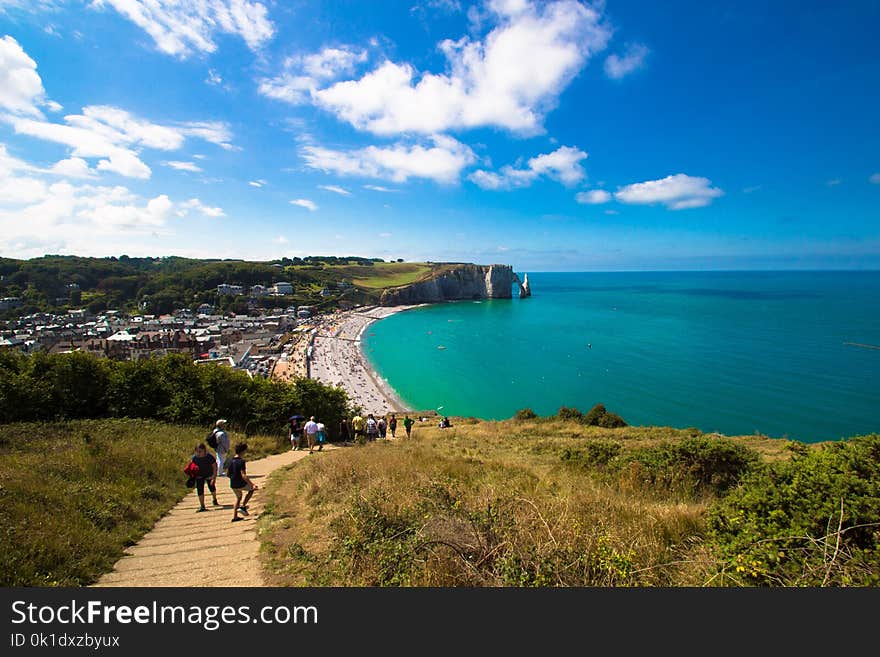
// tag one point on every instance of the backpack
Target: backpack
(212, 439)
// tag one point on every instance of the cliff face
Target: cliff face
(461, 282)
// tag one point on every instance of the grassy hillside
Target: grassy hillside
(547, 502)
(161, 285)
(74, 494)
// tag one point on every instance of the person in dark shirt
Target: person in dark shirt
(239, 482)
(207, 474)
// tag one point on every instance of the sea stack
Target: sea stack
(524, 289)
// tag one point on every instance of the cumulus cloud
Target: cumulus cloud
(508, 79)
(441, 162)
(73, 167)
(562, 165)
(593, 197)
(619, 66)
(21, 88)
(116, 136)
(676, 192)
(336, 189)
(303, 75)
(182, 27)
(305, 203)
(183, 166)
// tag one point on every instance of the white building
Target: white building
(283, 288)
(232, 290)
(259, 291)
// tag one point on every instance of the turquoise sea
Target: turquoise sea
(733, 352)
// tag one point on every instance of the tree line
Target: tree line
(51, 387)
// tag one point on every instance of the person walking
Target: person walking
(294, 434)
(358, 424)
(222, 445)
(207, 465)
(311, 433)
(382, 425)
(408, 423)
(239, 482)
(344, 433)
(372, 428)
(321, 436)
(392, 425)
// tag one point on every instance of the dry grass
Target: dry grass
(74, 494)
(487, 504)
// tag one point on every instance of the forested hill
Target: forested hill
(160, 285)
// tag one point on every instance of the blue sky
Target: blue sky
(556, 135)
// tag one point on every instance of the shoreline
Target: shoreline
(338, 358)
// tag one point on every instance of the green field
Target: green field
(74, 495)
(388, 274)
(551, 502)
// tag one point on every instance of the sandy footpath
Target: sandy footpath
(186, 548)
(337, 359)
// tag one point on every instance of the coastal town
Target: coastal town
(298, 342)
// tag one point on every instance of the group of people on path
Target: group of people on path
(206, 467)
(209, 467)
(314, 433)
(368, 429)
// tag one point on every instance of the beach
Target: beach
(337, 359)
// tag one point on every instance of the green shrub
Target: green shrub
(525, 414)
(697, 465)
(598, 416)
(592, 453)
(569, 413)
(781, 526)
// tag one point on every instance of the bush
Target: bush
(569, 413)
(697, 465)
(593, 453)
(525, 414)
(598, 416)
(813, 520)
(172, 388)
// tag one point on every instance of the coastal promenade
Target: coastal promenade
(186, 548)
(337, 359)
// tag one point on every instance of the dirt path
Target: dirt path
(186, 548)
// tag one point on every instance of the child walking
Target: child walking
(239, 482)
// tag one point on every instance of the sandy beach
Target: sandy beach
(337, 359)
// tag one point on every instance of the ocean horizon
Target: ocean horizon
(781, 353)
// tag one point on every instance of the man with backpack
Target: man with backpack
(372, 428)
(220, 440)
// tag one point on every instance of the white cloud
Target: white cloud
(834, 182)
(442, 162)
(303, 75)
(116, 136)
(676, 192)
(562, 165)
(213, 78)
(379, 188)
(617, 66)
(331, 63)
(875, 178)
(293, 89)
(196, 205)
(181, 27)
(183, 166)
(305, 203)
(509, 79)
(73, 167)
(21, 89)
(280, 240)
(593, 197)
(257, 183)
(336, 189)
(385, 235)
